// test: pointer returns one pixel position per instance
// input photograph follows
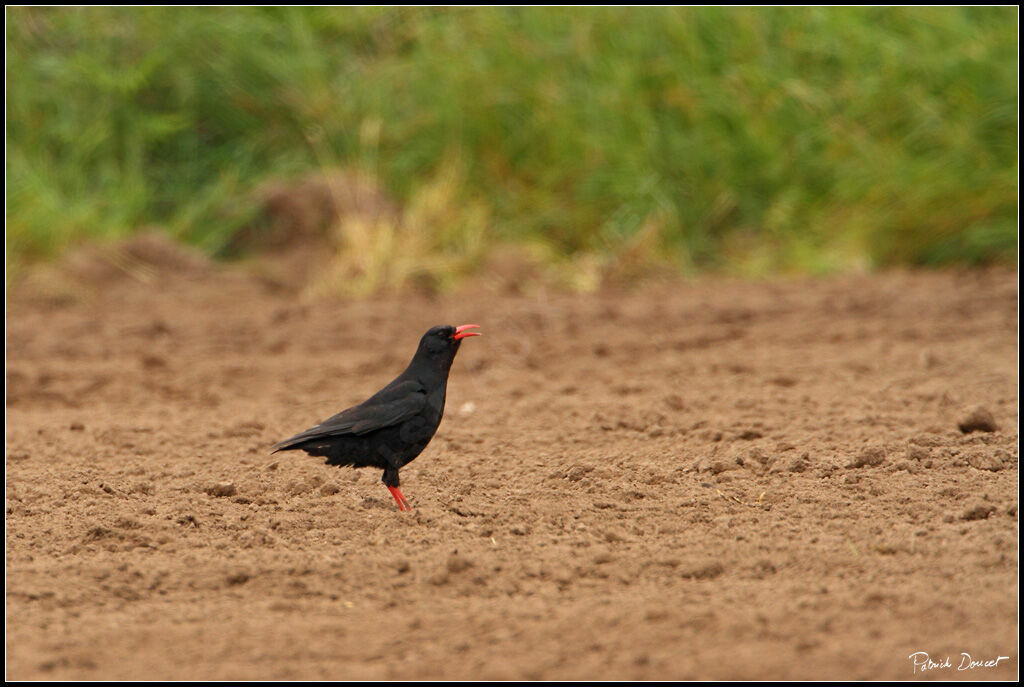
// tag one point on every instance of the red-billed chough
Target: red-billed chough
(394, 425)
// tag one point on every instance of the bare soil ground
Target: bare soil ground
(689, 480)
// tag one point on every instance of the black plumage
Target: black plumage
(393, 426)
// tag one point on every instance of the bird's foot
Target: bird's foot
(399, 498)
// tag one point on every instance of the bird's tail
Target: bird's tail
(298, 441)
(286, 445)
(334, 453)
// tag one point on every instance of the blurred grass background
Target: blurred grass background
(749, 141)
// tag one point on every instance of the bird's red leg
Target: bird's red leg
(399, 498)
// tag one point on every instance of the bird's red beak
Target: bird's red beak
(461, 331)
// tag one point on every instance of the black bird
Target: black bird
(392, 427)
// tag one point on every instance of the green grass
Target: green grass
(745, 140)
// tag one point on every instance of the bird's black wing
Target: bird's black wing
(392, 405)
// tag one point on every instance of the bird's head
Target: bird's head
(441, 343)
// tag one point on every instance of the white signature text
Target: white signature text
(924, 662)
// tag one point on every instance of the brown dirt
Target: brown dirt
(707, 479)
